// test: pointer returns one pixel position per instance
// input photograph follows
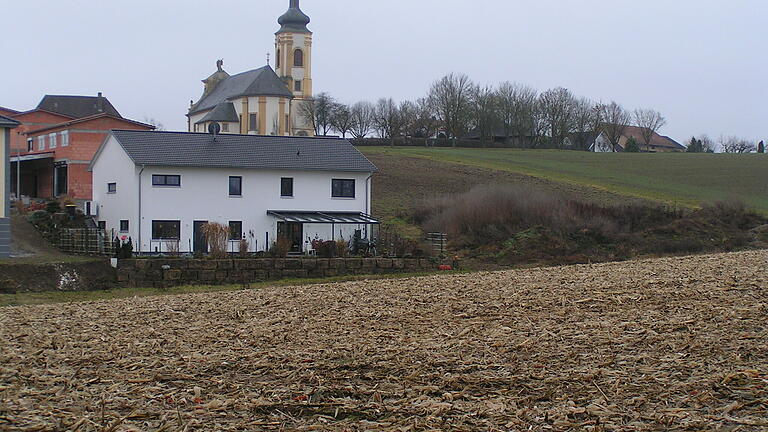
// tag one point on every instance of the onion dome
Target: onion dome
(294, 20)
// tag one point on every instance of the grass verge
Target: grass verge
(37, 298)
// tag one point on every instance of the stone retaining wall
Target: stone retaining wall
(173, 272)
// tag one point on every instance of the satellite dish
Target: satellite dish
(214, 129)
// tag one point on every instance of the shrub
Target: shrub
(342, 248)
(325, 249)
(281, 247)
(40, 218)
(53, 207)
(243, 247)
(217, 236)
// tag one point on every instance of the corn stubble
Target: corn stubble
(665, 344)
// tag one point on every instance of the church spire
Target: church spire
(294, 20)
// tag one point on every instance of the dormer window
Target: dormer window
(298, 58)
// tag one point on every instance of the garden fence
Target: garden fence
(87, 241)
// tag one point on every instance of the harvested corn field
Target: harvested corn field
(664, 344)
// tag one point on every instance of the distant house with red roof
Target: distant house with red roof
(56, 141)
(658, 144)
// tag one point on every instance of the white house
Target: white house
(160, 188)
(589, 141)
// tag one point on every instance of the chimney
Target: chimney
(99, 103)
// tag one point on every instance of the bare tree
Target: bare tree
(650, 122)
(450, 97)
(516, 109)
(426, 123)
(152, 122)
(586, 120)
(318, 112)
(408, 114)
(558, 113)
(387, 119)
(341, 119)
(306, 112)
(362, 119)
(732, 144)
(484, 113)
(615, 120)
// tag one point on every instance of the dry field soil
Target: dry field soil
(665, 344)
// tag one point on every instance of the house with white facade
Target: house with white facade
(590, 141)
(161, 188)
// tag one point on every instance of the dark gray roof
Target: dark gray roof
(293, 20)
(8, 122)
(583, 139)
(224, 112)
(77, 106)
(185, 149)
(258, 82)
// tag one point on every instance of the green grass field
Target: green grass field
(678, 179)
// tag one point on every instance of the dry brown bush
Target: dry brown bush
(217, 236)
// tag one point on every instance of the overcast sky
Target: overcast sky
(702, 63)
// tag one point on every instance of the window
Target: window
(41, 143)
(103, 225)
(124, 226)
(342, 188)
(52, 140)
(286, 187)
(235, 230)
(235, 186)
(278, 57)
(297, 85)
(166, 230)
(30, 144)
(166, 180)
(60, 179)
(298, 58)
(253, 122)
(64, 138)
(111, 188)
(225, 127)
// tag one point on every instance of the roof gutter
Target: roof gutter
(139, 224)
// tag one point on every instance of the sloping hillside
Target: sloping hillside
(677, 179)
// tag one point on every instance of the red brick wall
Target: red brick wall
(31, 121)
(85, 138)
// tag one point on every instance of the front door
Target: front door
(294, 231)
(199, 242)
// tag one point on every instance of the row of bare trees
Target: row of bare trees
(455, 106)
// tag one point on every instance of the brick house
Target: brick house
(56, 141)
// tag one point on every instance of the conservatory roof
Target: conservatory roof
(317, 217)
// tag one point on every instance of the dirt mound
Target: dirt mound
(666, 344)
(26, 240)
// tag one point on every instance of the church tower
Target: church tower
(293, 54)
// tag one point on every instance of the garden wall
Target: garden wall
(173, 272)
(76, 276)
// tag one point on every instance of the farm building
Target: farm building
(53, 146)
(161, 188)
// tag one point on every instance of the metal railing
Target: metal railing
(88, 241)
